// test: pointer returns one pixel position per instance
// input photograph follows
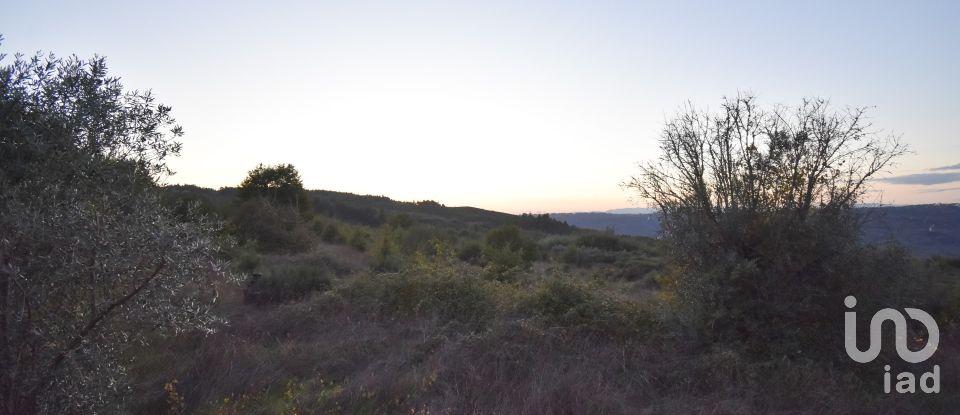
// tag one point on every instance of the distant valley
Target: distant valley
(924, 229)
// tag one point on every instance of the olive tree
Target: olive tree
(758, 205)
(90, 261)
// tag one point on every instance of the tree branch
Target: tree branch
(90, 327)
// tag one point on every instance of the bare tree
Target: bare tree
(788, 162)
(757, 203)
(89, 260)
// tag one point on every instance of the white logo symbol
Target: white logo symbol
(906, 382)
(900, 324)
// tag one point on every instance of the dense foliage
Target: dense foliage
(278, 184)
(90, 260)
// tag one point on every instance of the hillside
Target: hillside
(634, 224)
(371, 210)
(364, 304)
(924, 229)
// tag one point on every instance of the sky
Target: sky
(511, 106)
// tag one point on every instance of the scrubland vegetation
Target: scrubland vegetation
(123, 296)
(473, 317)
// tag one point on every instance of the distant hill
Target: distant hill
(644, 224)
(374, 210)
(924, 229)
(640, 211)
(371, 210)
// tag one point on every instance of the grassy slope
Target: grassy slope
(442, 337)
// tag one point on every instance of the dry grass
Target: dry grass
(442, 339)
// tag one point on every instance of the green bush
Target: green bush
(417, 237)
(385, 257)
(455, 296)
(944, 300)
(185, 205)
(784, 304)
(247, 261)
(359, 240)
(272, 228)
(635, 268)
(471, 253)
(606, 241)
(587, 256)
(331, 233)
(508, 252)
(578, 305)
(287, 282)
(400, 220)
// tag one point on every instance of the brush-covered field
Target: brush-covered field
(366, 305)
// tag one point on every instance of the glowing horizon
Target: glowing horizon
(518, 108)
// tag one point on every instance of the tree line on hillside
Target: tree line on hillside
(271, 215)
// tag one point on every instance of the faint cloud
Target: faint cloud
(951, 167)
(924, 179)
(948, 189)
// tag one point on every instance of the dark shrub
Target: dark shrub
(287, 282)
(385, 257)
(331, 233)
(451, 295)
(185, 205)
(507, 251)
(359, 240)
(471, 253)
(587, 256)
(400, 220)
(247, 261)
(605, 241)
(578, 305)
(636, 268)
(272, 228)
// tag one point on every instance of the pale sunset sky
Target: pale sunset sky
(511, 106)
